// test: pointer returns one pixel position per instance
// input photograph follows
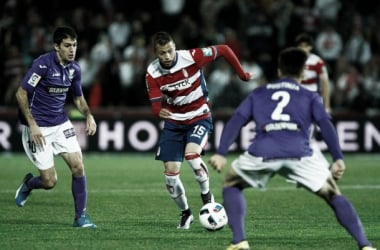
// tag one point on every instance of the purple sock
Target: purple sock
(234, 203)
(348, 218)
(79, 190)
(35, 183)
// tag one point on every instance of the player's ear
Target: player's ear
(56, 46)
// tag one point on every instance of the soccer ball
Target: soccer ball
(212, 216)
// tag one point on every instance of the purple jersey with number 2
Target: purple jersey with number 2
(283, 112)
(47, 83)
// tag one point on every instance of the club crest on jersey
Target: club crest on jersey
(34, 79)
(207, 51)
(71, 74)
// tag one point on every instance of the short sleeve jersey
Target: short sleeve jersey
(47, 83)
(283, 112)
(183, 85)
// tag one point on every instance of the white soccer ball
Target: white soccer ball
(212, 216)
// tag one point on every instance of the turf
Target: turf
(129, 203)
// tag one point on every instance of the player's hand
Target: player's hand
(165, 113)
(217, 162)
(247, 76)
(337, 169)
(37, 136)
(90, 125)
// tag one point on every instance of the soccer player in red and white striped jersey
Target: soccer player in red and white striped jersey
(316, 79)
(316, 76)
(178, 94)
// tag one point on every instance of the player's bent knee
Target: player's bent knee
(77, 169)
(49, 183)
(49, 178)
(172, 167)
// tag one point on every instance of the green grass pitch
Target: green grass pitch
(128, 201)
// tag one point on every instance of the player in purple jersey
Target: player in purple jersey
(47, 130)
(283, 112)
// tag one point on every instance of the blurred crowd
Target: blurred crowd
(114, 44)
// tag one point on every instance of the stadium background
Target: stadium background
(114, 50)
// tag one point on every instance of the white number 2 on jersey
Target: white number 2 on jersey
(282, 98)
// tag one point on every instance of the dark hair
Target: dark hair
(292, 61)
(304, 38)
(161, 38)
(63, 32)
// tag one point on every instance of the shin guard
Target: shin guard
(200, 171)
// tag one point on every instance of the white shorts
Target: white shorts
(59, 139)
(311, 172)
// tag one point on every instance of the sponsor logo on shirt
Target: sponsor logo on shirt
(207, 51)
(34, 79)
(177, 86)
(55, 74)
(54, 90)
(276, 126)
(42, 66)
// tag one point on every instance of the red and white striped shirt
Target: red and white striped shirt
(183, 86)
(314, 67)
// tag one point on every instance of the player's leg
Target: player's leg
(313, 173)
(43, 159)
(78, 189)
(174, 184)
(344, 212)
(171, 152)
(235, 205)
(246, 171)
(201, 174)
(177, 193)
(197, 138)
(67, 146)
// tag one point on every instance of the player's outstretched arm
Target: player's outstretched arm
(231, 58)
